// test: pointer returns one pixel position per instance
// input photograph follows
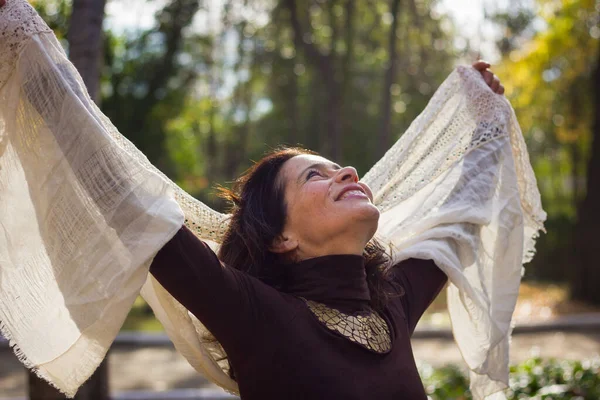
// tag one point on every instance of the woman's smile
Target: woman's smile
(328, 209)
(354, 194)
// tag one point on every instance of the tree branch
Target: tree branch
(312, 53)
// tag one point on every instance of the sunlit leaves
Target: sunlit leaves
(535, 379)
(547, 80)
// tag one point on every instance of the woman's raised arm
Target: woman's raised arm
(185, 266)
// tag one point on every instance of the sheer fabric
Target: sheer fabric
(81, 219)
(83, 213)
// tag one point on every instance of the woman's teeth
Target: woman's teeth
(352, 193)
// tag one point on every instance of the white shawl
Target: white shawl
(83, 212)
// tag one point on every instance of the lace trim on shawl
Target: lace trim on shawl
(22, 22)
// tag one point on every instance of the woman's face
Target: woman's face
(328, 210)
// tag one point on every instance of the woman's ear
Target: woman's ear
(283, 244)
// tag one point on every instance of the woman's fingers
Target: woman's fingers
(481, 65)
(495, 84)
(488, 77)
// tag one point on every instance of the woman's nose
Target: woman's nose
(347, 173)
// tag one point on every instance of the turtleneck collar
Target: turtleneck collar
(336, 280)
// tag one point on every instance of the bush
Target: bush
(534, 379)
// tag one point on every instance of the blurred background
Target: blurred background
(203, 87)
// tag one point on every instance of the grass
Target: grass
(141, 318)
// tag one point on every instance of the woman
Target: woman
(303, 301)
(308, 306)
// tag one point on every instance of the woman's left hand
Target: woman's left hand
(488, 76)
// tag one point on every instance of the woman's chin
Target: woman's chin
(365, 210)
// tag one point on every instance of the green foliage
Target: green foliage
(534, 379)
(202, 98)
(547, 72)
(56, 13)
(278, 92)
(559, 59)
(448, 382)
(553, 379)
(354, 47)
(141, 318)
(147, 80)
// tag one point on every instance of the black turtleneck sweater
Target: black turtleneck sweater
(277, 347)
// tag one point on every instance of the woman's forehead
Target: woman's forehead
(303, 161)
(293, 168)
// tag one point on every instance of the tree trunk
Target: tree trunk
(40, 390)
(96, 388)
(293, 109)
(585, 277)
(85, 42)
(86, 53)
(390, 74)
(575, 154)
(333, 146)
(347, 84)
(334, 90)
(315, 124)
(330, 144)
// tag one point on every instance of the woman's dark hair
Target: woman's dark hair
(258, 215)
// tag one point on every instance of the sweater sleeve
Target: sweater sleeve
(230, 303)
(422, 281)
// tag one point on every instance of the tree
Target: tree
(549, 76)
(148, 83)
(328, 61)
(586, 275)
(384, 134)
(85, 42)
(86, 53)
(326, 65)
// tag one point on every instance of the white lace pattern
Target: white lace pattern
(18, 22)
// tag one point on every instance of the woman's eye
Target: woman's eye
(312, 173)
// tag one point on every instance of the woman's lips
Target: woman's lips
(353, 194)
(349, 188)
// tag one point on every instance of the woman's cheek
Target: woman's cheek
(314, 201)
(313, 193)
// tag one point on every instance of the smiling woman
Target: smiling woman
(318, 190)
(275, 206)
(311, 286)
(309, 292)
